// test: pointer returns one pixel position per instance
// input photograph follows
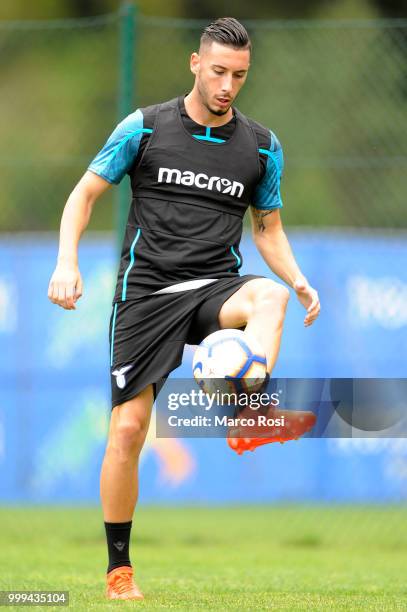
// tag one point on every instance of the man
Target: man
(195, 165)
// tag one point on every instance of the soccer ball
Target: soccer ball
(229, 361)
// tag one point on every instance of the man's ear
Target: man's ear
(194, 62)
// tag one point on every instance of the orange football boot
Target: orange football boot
(120, 584)
(249, 437)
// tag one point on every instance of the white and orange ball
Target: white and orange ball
(229, 360)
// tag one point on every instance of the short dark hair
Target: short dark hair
(227, 31)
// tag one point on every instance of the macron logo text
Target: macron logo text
(200, 180)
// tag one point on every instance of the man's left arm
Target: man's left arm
(272, 243)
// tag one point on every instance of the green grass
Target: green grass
(237, 558)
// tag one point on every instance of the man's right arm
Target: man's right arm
(108, 167)
(66, 286)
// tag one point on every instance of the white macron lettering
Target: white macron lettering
(169, 175)
(199, 183)
(188, 178)
(200, 180)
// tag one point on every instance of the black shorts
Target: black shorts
(148, 334)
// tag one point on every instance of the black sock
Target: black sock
(118, 541)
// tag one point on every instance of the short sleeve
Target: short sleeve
(118, 154)
(267, 194)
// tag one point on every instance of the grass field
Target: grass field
(245, 558)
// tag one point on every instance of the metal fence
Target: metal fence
(334, 92)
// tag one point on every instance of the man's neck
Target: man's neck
(201, 114)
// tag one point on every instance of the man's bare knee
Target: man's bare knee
(271, 295)
(129, 425)
(128, 437)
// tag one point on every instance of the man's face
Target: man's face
(220, 71)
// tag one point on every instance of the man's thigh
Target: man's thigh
(235, 312)
(210, 300)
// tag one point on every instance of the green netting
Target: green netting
(334, 92)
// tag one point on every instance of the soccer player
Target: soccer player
(195, 164)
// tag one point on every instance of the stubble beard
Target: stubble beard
(218, 113)
(204, 101)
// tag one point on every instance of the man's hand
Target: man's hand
(65, 286)
(309, 299)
